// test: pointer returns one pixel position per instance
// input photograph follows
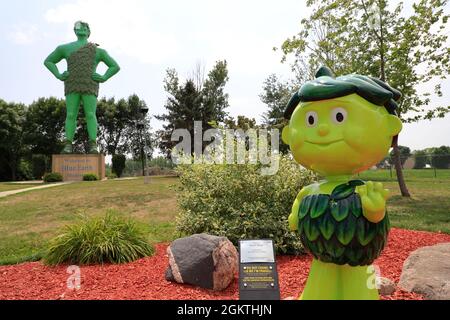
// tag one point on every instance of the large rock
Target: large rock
(386, 287)
(427, 271)
(202, 260)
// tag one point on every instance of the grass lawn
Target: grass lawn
(29, 219)
(7, 186)
(429, 205)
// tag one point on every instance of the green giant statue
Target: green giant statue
(81, 81)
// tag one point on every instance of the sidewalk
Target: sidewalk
(11, 192)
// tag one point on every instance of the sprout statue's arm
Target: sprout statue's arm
(51, 61)
(113, 67)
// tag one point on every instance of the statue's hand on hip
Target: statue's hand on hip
(64, 76)
(98, 78)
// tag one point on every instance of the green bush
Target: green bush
(90, 177)
(118, 164)
(40, 163)
(98, 240)
(238, 202)
(112, 176)
(53, 177)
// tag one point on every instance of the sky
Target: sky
(147, 37)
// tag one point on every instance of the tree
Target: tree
(12, 118)
(370, 37)
(276, 95)
(44, 126)
(195, 100)
(405, 153)
(440, 157)
(421, 159)
(118, 164)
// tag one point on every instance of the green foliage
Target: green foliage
(111, 176)
(40, 164)
(106, 239)
(440, 157)
(53, 177)
(118, 164)
(90, 177)
(161, 162)
(405, 153)
(24, 170)
(12, 117)
(421, 159)
(198, 99)
(238, 202)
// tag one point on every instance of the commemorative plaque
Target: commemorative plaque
(258, 276)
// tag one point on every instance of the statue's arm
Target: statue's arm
(51, 61)
(113, 67)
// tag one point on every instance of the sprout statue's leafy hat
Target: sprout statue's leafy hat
(326, 86)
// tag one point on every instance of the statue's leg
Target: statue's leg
(90, 109)
(72, 108)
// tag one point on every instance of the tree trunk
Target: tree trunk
(398, 169)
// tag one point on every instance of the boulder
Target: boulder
(202, 260)
(427, 271)
(386, 287)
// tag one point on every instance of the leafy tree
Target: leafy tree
(405, 153)
(12, 118)
(118, 164)
(44, 126)
(421, 159)
(195, 100)
(440, 157)
(371, 37)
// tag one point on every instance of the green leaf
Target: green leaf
(355, 205)
(326, 226)
(340, 209)
(310, 229)
(320, 206)
(346, 230)
(304, 207)
(365, 231)
(342, 191)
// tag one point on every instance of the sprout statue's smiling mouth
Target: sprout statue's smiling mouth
(324, 143)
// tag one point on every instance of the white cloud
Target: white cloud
(124, 27)
(24, 34)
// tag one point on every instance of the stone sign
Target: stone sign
(74, 166)
(258, 276)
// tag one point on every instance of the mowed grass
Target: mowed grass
(6, 186)
(429, 206)
(28, 220)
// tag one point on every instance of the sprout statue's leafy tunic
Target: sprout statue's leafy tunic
(334, 229)
(81, 65)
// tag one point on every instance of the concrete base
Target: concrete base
(74, 166)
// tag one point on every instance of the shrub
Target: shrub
(90, 177)
(112, 176)
(98, 240)
(40, 165)
(118, 164)
(238, 202)
(53, 177)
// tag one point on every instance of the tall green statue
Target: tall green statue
(81, 81)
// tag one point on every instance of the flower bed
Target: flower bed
(144, 279)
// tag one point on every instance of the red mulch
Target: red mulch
(144, 279)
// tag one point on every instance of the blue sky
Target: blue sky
(147, 37)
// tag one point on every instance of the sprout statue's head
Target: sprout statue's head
(82, 29)
(341, 126)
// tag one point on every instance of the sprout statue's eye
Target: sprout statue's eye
(311, 119)
(339, 115)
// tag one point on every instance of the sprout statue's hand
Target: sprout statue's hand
(293, 222)
(373, 199)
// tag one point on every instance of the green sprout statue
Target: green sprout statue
(81, 81)
(339, 127)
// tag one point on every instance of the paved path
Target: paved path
(11, 192)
